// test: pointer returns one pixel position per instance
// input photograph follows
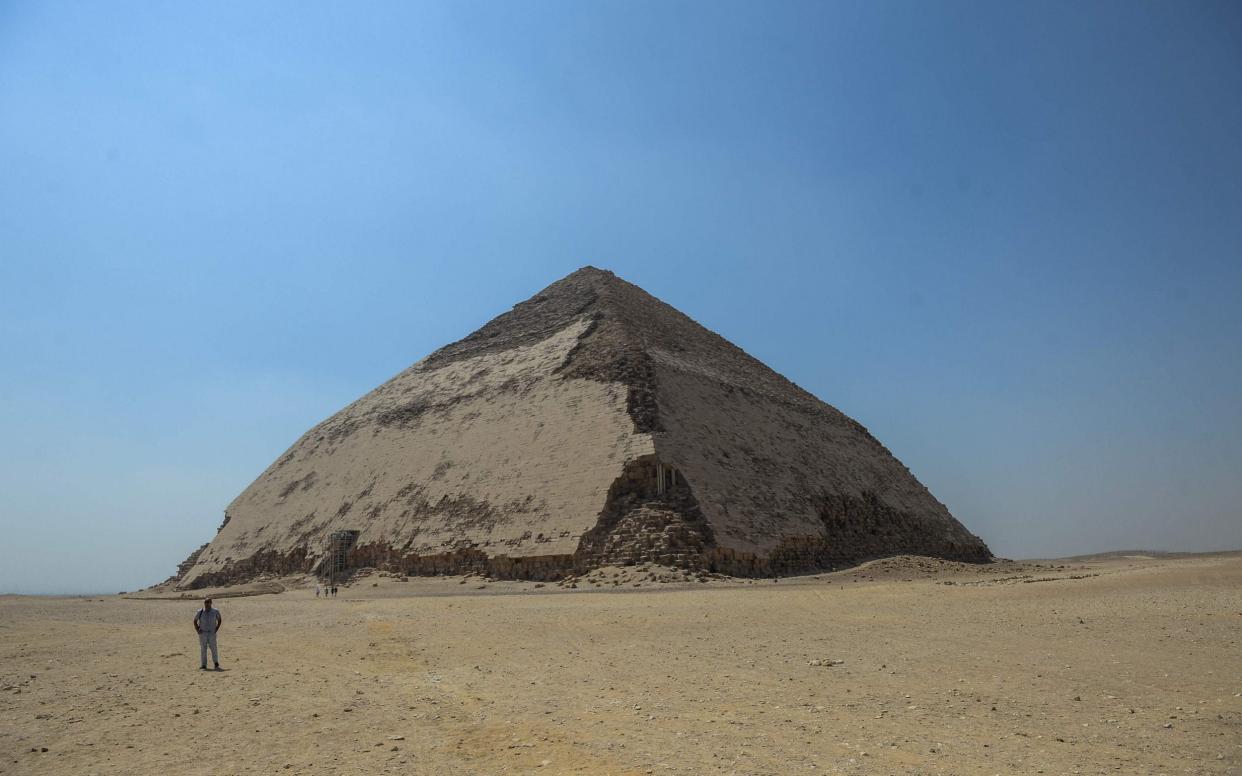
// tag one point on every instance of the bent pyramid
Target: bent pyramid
(592, 424)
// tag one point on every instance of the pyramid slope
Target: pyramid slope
(591, 423)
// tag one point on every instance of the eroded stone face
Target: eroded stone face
(591, 424)
(495, 452)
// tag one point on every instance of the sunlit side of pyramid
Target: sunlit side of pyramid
(592, 424)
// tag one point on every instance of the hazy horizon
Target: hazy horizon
(1006, 238)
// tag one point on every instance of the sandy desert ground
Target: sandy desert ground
(1124, 665)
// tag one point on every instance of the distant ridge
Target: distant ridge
(1154, 554)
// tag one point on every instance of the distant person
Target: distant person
(316, 591)
(207, 622)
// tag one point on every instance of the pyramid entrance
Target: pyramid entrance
(336, 559)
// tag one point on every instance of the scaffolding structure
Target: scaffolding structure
(665, 478)
(339, 545)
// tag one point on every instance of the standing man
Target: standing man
(207, 621)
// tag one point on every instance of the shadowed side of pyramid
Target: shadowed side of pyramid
(591, 424)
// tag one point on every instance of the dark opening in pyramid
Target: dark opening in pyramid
(590, 425)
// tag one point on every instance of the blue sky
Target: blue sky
(1005, 237)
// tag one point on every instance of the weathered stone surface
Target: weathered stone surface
(592, 424)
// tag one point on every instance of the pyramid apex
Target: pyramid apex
(591, 271)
